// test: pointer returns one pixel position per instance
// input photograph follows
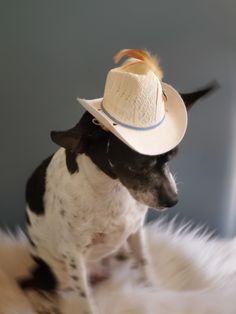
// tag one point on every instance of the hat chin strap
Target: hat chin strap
(109, 162)
(107, 151)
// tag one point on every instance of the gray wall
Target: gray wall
(53, 51)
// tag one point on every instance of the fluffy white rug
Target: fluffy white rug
(195, 274)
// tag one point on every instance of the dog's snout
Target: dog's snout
(170, 202)
(167, 194)
(168, 199)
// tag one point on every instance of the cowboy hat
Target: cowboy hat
(142, 111)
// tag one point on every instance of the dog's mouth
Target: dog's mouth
(147, 198)
(161, 209)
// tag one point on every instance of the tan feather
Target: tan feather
(141, 56)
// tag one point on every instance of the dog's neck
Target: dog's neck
(97, 179)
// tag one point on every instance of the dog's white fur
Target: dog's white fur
(195, 275)
(92, 203)
(87, 216)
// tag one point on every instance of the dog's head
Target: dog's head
(147, 178)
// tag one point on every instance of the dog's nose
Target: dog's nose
(170, 202)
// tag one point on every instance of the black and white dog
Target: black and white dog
(88, 199)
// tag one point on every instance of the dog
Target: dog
(89, 198)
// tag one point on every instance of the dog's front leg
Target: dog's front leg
(137, 243)
(77, 271)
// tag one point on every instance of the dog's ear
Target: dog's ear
(190, 98)
(74, 140)
(67, 139)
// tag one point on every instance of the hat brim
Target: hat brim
(155, 141)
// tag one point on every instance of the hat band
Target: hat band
(131, 126)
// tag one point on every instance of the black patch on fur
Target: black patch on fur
(63, 212)
(82, 294)
(41, 278)
(27, 219)
(35, 188)
(72, 265)
(31, 242)
(121, 257)
(132, 166)
(138, 172)
(71, 163)
(76, 278)
(97, 151)
(85, 138)
(70, 225)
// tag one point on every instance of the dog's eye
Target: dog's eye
(142, 167)
(135, 169)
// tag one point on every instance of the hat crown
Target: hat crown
(133, 107)
(133, 96)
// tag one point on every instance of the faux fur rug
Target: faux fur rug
(195, 274)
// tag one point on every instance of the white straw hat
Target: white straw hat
(145, 113)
